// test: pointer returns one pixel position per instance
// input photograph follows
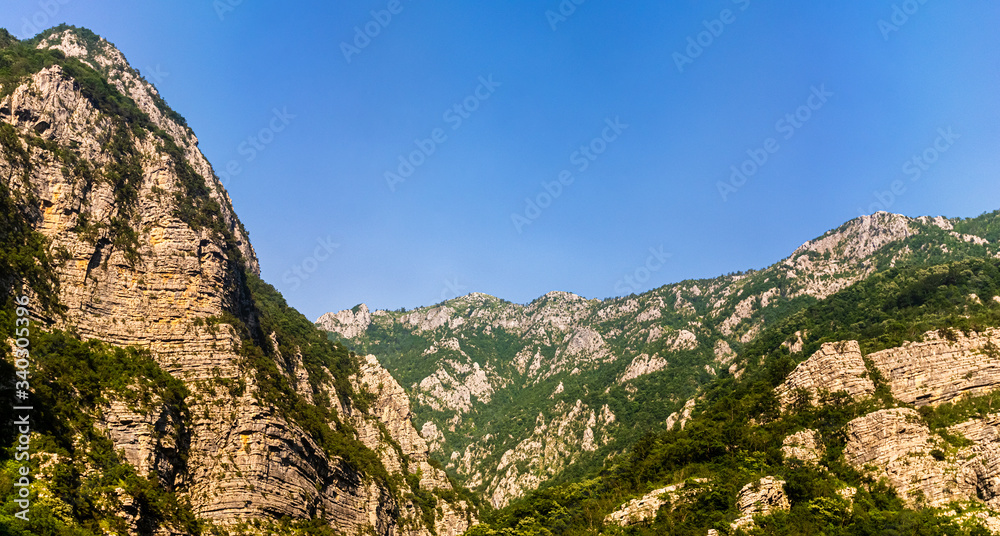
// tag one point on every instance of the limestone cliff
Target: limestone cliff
(151, 254)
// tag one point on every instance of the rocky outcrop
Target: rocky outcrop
(642, 365)
(348, 324)
(833, 368)
(391, 406)
(152, 437)
(682, 416)
(896, 445)
(760, 498)
(805, 446)
(942, 367)
(842, 257)
(455, 385)
(644, 509)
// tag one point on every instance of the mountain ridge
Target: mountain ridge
(560, 338)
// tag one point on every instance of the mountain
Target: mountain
(173, 391)
(880, 418)
(161, 387)
(511, 397)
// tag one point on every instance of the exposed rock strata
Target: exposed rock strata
(347, 324)
(644, 509)
(760, 498)
(939, 370)
(833, 368)
(895, 444)
(244, 461)
(805, 446)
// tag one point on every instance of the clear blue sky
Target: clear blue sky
(448, 228)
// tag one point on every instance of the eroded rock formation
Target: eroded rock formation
(833, 368)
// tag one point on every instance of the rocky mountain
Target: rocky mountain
(174, 391)
(871, 411)
(512, 396)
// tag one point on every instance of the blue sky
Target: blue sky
(869, 85)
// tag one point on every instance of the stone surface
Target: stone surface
(347, 324)
(834, 367)
(895, 444)
(553, 445)
(644, 509)
(805, 446)
(939, 370)
(760, 498)
(682, 416)
(642, 365)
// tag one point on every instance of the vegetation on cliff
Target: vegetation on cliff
(736, 435)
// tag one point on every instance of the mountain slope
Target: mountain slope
(247, 418)
(511, 396)
(883, 421)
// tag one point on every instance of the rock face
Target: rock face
(760, 498)
(895, 444)
(682, 416)
(347, 324)
(391, 406)
(985, 433)
(804, 446)
(835, 367)
(941, 368)
(169, 288)
(642, 365)
(644, 509)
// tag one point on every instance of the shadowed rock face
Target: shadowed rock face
(236, 459)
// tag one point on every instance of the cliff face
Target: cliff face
(927, 469)
(151, 254)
